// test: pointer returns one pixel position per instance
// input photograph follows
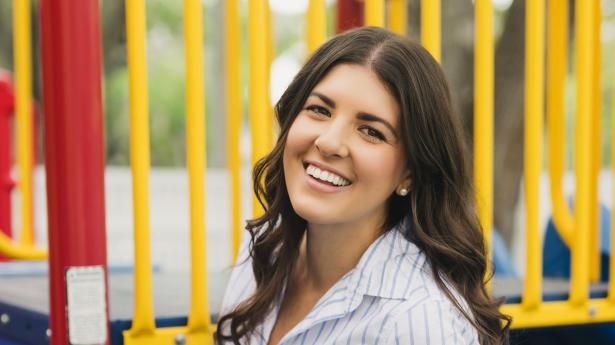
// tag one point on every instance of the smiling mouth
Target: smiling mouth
(326, 177)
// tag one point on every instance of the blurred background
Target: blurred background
(166, 85)
(166, 78)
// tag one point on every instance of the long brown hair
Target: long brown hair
(441, 204)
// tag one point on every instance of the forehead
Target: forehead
(357, 88)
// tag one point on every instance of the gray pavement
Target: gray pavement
(169, 226)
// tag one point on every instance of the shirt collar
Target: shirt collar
(386, 270)
(388, 266)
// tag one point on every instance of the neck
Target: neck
(329, 251)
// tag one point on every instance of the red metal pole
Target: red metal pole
(350, 14)
(7, 106)
(74, 163)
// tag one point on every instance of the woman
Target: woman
(370, 234)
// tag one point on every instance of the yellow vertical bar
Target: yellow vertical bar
(397, 16)
(483, 118)
(374, 13)
(611, 294)
(143, 320)
(198, 319)
(23, 73)
(580, 254)
(557, 61)
(596, 136)
(233, 109)
(270, 41)
(430, 26)
(316, 30)
(534, 103)
(258, 92)
(23, 107)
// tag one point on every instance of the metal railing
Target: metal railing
(578, 228)
(24, 248)
(532, 311)
(199, 328)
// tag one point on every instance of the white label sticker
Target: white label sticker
(87, 315)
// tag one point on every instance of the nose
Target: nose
(332, 140)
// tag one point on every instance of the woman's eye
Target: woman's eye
(320, 110)
(374, 134)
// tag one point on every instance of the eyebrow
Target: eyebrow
(361, 115)
(324, 98)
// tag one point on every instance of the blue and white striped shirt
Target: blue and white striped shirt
(390, 297)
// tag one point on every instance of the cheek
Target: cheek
(382, 167)
(297, 143)
(299, 138)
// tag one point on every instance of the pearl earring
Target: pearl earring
(403, 192)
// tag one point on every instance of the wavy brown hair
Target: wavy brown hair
(441, 205)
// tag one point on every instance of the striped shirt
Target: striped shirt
(390, 297)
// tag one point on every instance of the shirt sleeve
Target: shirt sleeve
(433, 323)
(241, 283)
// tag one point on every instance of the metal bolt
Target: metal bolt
(180, 339)
(48, 333)
(593, 311)
(5, 319)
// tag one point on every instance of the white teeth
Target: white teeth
(326, 176)
(317, 172)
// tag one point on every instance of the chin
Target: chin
(316, 215)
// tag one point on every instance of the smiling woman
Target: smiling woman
(369, 234)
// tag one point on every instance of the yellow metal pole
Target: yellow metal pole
(374, 13)
(483, 118)
(560, 313)
(23, 110)
(316, 30)
(270, 57)
(611, 293)
(430, 26)
(24, 248)
(233, 109)
(143, 320)
(534, 100)
(258, 92)
(397, 16)
(199, 327)
(557, 61)
(596, 143)
(580, 254)
(19, 251)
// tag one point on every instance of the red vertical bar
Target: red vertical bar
(74, 147)
(350, 14)
(7, 106)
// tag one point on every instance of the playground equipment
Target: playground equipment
(22, 104)
(74, 152)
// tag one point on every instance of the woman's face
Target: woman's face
(343, 158)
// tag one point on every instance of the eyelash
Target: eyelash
(373, 134)
(317, 109)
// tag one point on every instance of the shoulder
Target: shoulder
(422, 312)
(427, 315)
(432, 322)
(241, 283)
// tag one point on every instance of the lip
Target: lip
(323, 166)
(320, 186)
